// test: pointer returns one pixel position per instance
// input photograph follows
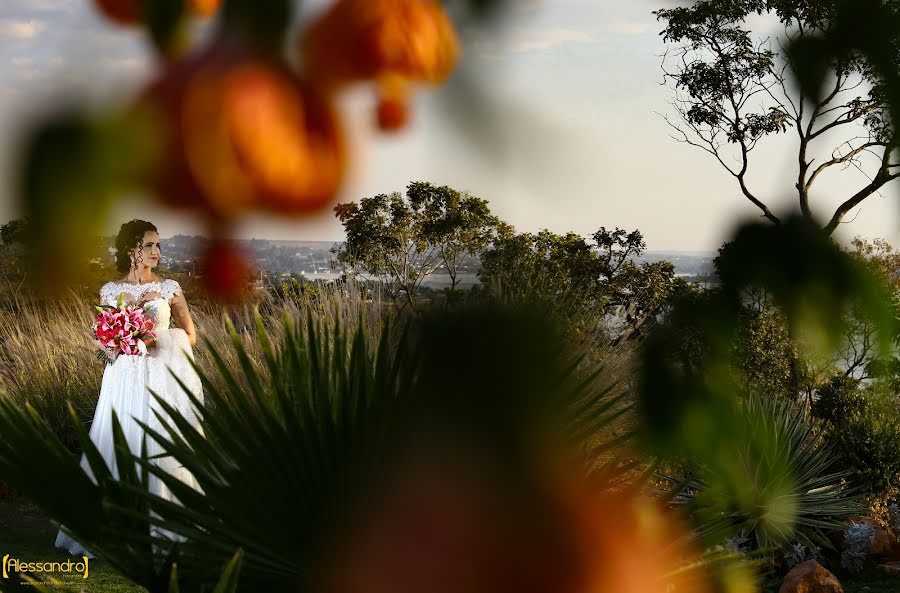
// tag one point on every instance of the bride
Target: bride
(128, 380)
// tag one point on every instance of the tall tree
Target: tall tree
(732, 90)
(458, 223)
(402, 239)
(583, 280)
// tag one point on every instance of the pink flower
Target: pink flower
(122, 330)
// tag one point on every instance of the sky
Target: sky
(565, 133)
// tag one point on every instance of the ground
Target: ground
(27, 533)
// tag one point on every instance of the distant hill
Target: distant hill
(692, 265)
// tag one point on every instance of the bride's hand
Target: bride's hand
(149, 342)
(110, 355)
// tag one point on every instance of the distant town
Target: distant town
(312, 260)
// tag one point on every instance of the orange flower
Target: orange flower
(392, 42)
(445, 524)
(631, 546)
(226, 270)
(204, 7)
(241, 133)
(124, 12)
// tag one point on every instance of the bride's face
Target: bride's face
(147, 251)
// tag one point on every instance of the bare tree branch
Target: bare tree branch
(841, 159)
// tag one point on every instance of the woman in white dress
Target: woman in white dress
(128, 380)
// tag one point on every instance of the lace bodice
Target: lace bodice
(161, 311)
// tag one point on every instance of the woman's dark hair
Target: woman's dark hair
(131, 236)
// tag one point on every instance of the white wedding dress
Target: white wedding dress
(126, 389)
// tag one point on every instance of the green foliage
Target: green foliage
(861, 422)
(14, 231)
(582, 281)
(543, 267)
(791, 487)
(766, 359)
(691, 408)
(401, 239)
(770, 357)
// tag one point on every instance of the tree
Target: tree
(582, 280)
(769, 356)
(402, 239)
(859, 355)
(14, 231)
(561, 270)
(860, 420)
(732, 91)
(459, 224)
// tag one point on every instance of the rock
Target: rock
(895, 549)
(881, 545)
(890, 568)
(810, 577)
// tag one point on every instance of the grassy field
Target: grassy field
(27, 534)
(47, 358)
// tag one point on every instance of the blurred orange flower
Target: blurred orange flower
(125, 12)
(391, 42)
(242, 133)
(452, 526)
(226, 269)
(631, 546)
(204, 7)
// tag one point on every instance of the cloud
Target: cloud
(128, 64)
(31, 74)
(528, 39)
(543, 40)
(32, 6)
(20, 28)
(520, 40)
(627, 28)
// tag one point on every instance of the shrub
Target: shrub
(798, 553)
(857, 539)
(860, 421)
(790, 490)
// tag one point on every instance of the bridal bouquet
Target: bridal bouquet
(122, 329)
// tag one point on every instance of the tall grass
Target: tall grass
(47, 357)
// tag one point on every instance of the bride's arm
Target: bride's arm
(182, 316)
